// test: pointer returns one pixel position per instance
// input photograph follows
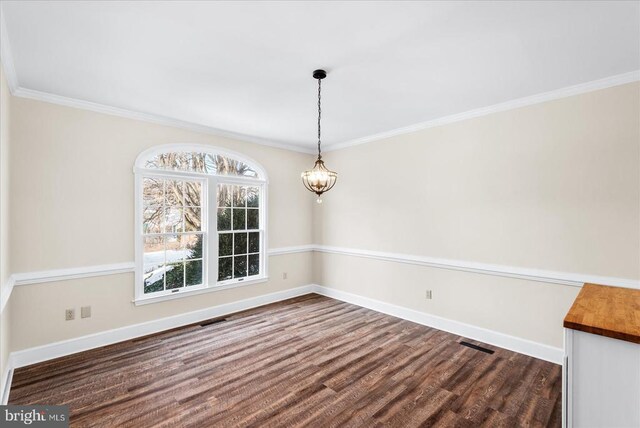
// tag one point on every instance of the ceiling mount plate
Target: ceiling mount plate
(319, 74)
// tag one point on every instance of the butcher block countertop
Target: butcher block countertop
(607, 311)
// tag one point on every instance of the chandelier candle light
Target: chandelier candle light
(319, 179)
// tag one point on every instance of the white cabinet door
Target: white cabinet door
(602, 381)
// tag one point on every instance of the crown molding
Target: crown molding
(6, 58)
(152, 118)
(568, 91)
(16, 90)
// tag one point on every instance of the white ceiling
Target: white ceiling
(245, 67)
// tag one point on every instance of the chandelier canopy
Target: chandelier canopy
(319, 179)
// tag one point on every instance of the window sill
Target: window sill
(155, 299)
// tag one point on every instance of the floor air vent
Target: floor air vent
(476, 347)
(213, 321)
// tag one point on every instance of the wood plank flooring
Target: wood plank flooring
(308, 361)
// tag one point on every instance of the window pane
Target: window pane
(173, 193)
(201, 162)
(239, 266)
(193, 272)
(210, 164)
(152, 191)
(253, 216)
(254, 242)
(239, 196)
(154, 280)
(192, 246)
(248, 172)
(239, 218)
(173, 221)
(227, 166)
(181, 161)
(254, 264)
(225, 244)
(152, 218)
(153, 250)
(192, 162)
(175, 249)
(224, 218)
(239, 243)
(192, 193)
(224, 195)
(175, 276)
(192, 219)
(224, 268)
(253, 197)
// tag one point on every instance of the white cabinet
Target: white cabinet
(601, 381)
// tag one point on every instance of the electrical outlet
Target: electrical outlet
(284, 275)
(428, 295)
(69, 314)
(85, 312)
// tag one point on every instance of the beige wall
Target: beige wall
(553, 186)
(73, 206)
(4, 221)
(73, 184)
(38, 309)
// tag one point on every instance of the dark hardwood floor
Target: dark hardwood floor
(309, 361)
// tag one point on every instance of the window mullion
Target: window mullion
(263, 226)
(212, 228)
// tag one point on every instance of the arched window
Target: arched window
(200, 221)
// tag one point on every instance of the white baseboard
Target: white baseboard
(7, 377)
(71, 346)
(38, 354)
(516, 344)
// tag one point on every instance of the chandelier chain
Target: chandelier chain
(319, 115)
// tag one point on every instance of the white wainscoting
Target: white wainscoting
(547, 276)
(71, 346)
(516, 344)
(66, 347)
(55, 275)
(71, 273)
(538, 275)
(38, 354)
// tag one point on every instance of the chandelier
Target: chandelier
(319, 179)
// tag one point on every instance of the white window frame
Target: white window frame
(209, 220)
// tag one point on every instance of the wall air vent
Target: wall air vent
(212, 321)
(476, 347)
